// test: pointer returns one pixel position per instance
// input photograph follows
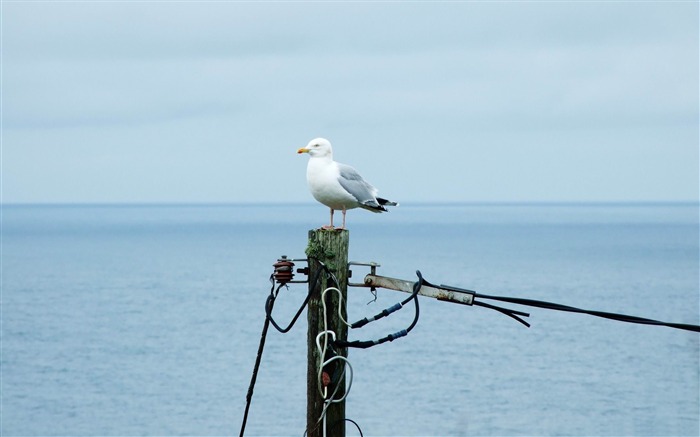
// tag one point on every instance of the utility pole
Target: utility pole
(327, 258)
(329, 247)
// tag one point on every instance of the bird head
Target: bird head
(317, 148)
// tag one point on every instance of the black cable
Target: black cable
(391, 337)
(271, 300)
(606, 315)
(381, 315)
(269, 304)
(356, 425)
(416, 288)
(566, 308)
(507, 311)
(335, 425)
(249, 396)
(385, 312)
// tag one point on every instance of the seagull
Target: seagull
(336, 185)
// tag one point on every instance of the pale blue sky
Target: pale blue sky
(473, 101)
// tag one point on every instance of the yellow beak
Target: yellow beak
(303, 150)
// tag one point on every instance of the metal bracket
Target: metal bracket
(449, 295)
(372, 269)
(304, 271)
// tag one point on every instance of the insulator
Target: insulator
(284, 270)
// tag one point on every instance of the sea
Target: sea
(145, 320)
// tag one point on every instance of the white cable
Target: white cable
(323, 350)
(327, 403)
(323, 390)
(340, 305)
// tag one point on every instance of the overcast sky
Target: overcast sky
(474, 101)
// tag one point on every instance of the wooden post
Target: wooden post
(331, 248)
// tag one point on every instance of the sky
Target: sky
(207, 102)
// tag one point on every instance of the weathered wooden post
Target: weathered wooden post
(330, 247)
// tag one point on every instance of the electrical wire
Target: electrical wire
(566, 308)
(340, 305)
(269, 305)
(249, 396)
(323, 352)
(271, 298)
(391, 337)
(356, 426)
(613, 316)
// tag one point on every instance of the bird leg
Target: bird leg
(330, 227)
(343, 227)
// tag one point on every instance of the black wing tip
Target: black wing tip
(372, 206)
(377, 206)
(385, 202)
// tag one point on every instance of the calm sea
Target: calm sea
(145, 320)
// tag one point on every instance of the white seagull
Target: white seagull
(336, 185)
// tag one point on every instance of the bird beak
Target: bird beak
(303, 150)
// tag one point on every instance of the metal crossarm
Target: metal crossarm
(449, 295)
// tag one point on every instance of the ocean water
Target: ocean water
(145, 320)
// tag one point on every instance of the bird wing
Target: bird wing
(353, 183)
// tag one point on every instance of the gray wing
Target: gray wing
(353, 183)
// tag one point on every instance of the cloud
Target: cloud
(474, 80)
(147, 61)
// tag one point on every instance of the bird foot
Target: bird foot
(332, 228)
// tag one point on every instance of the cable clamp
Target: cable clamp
(372, 269)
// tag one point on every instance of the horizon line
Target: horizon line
(405, 203)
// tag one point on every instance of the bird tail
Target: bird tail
(384, 202)
(378, 206)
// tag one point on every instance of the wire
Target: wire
(606, 315)
(508, 312)
(340, 304)
(269, 305)
(249, 396)
(356, 426)
(391, 337)
(323, 351)
(271, 298)
(559, 307)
